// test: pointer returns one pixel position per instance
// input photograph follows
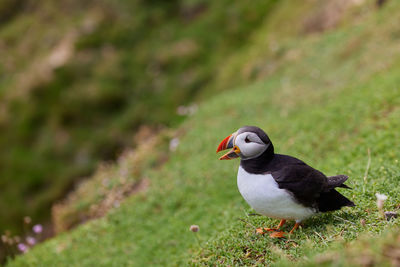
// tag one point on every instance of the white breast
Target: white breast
(262, 193)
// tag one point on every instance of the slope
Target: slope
(333, 97)
(79, 78)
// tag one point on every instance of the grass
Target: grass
(111, 183)
(153, 227)
(123, 65)
(369, 249)
(350, 139)
(326, 104)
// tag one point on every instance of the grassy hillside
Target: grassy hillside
(79, 78)
(327, 96)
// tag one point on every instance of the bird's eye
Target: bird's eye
(247, 140)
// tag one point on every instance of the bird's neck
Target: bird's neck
(259, 164)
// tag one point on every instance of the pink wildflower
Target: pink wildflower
(22, 247)
(30, 240)
(37, 229)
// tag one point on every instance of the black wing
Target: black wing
(304, 182)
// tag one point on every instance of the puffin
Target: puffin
(280, 186)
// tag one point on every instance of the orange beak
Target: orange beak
(228, 143)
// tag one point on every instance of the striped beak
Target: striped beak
(226, 144)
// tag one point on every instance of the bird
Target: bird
(280, 186)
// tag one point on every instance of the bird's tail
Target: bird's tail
(333, 200)
(337, 181)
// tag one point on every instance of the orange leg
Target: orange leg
(282, 222)
(294, 228)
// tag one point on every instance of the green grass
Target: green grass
(131, 63)
(196, 188)
(333, 145)
(369, 249)
(328, 106)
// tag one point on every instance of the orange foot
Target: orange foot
(260, 231)
(282, 222)
(277, 235)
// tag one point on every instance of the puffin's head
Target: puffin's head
(248, 142)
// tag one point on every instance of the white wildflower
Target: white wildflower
(173, 144)
(187, 110)
(380, 200)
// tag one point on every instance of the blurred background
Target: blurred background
(81, 82)
(78, 79)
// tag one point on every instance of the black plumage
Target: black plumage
(307, 185)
